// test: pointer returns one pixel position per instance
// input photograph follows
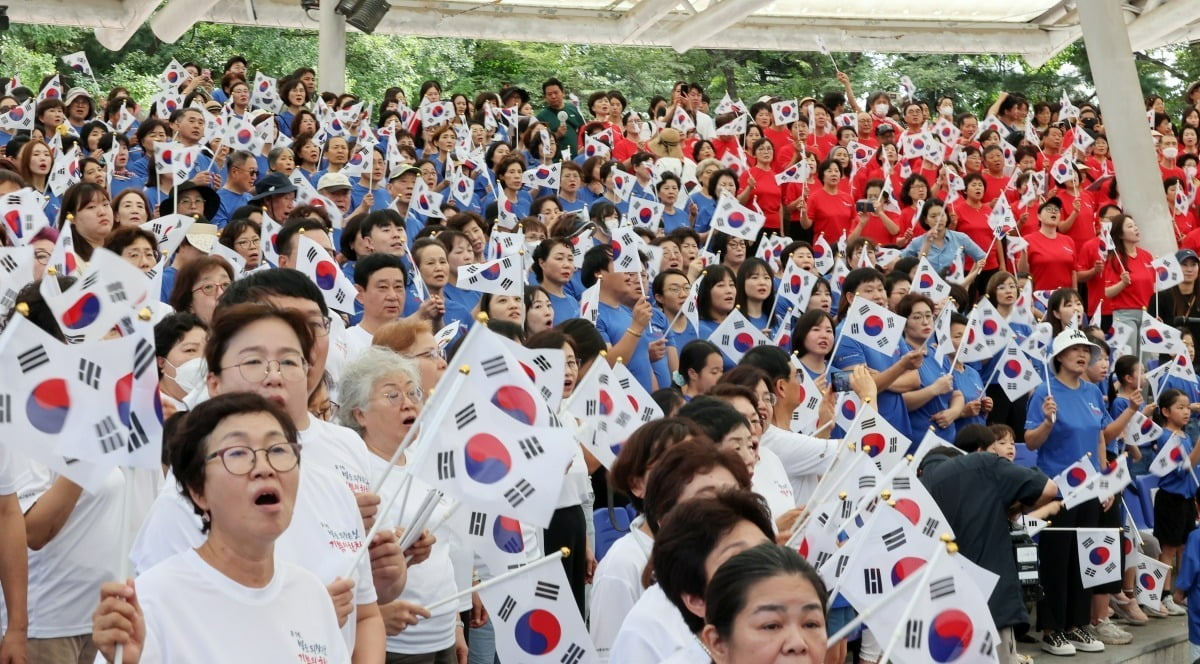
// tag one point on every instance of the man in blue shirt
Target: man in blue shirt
(243, 171)
(623, 327)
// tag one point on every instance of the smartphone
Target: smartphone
(841, 381)
(864, 206)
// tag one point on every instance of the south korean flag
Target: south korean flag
(873, 326)
(1099, 556)
(536, 620)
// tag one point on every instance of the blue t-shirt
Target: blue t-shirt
(565, 307)
(657, 330)
(612, 324)
(677, 219)
(1077, 427)
(579, 205)
(970, 384)
(705, 207)
(459, 305)
(890, 404)
(520, 208)
(921, 418)
(230, 201)
(1187, 580)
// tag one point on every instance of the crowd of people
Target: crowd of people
(684, 537)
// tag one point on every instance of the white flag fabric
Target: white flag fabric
(736, 335)
(1099, 556)
(19, 117)
(878, 438)
(318, 265)
(502, 276)
(796, 285)
(94, 304)
(807, 412)
(625, 246)
(500, 446)
(785, 112)
(437, 113)
(589, 303)
(646, 213)
(928, 282)
(733, 218)
(1170, 457)
(987, 333)
(1113, 478)
(1159, 338)
(425, 201)
(608, 418)
(1151, 577)
(23, 216)
(263, 94)
(546, 175)
(823, 256)
(170, 230)
(16, 271)
(1141, 430)
(1167, 272)
(172, 157)
(1077, 482)
(873, 326)
(536, 620)
(501, 542)
(78, 61)
(931, 441)
(622, 183)
(62, 257)
(1015, 373)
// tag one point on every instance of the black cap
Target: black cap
(1053, 200)
(272, 185)
(212, 202)
(1186, 255)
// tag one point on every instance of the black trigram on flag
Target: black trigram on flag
(9, 264)
(445, 465)
(506, 608)
(841, 563)
(5, 408)
(726, 339)
(340, 296)
(590, 408)
(143, 357)
(1110, 540)
(518, 493)
(494, 366)
(530, 447)
(986, 646)
(477, 524)
(901, 483)
(33, 358)
(89, 373)
(931, 526)
(866, 482)
(914, 634)
(1088, 542)
(312, 254)
(573, 655)
(465, 416)
(624, 383)
(116, 291)
(1090, 572)
(894, 539)
(90, 280)
(738, 324)
(546, 590)
(137, 433)
(108, 435)
(941, 588)
(872, 581)
(847, 508)
(541, 363)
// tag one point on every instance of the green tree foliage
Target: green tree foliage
(376, 62)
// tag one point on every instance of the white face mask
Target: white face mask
(530, 246)
(881, 109)
(191, 374)
(946, 111)
(1190, 171)
(1170, 153)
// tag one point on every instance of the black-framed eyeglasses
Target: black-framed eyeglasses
(256, 370)
(319, 326)
(240, 459)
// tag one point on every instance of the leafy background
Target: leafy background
(376, 62)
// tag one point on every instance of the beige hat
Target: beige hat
(333, 182)
(666, 144)
(202, 236)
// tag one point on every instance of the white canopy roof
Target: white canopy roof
(1035, 29)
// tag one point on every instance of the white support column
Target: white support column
(331, 45)
(1120, 94)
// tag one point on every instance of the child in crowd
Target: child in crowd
(1174, 518)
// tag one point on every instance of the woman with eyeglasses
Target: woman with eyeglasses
(259, 349)
(935, 401)
(381, 397)
(200, 284)
(414, 339)
(243, 235)
(237, 461)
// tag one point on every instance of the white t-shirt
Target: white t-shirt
(194, 613)
(323, 538)
(617, 585)
(7, 486)
(771, 482)
(356, 340)
(692, 653)
(805, 458)
(429, 581)
(652, 631)
(576, 483)
(337, 448)
(706, 127)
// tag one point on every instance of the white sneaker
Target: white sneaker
(1108, 633)
(1056, 643)
(1083, 641)
(1173, 609)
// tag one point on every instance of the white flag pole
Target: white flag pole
(550, 557)
(930, 567)
(123, 552)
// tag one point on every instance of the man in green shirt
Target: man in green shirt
(563, 119)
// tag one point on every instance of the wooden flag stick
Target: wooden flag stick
(550, 557)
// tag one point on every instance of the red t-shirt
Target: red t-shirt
(975, 224)
(996, 187)
(767, 194)
(1191, 241)
(831, 214)
(1084, 227)
(821, 144)
(1051, 261)
(1141, 287)
(1085, 259)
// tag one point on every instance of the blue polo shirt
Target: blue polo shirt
(1178, 481)
(230, 201)
(920, 419)
(565, 307)
(890, 405)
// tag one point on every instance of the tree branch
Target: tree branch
(1171, 70)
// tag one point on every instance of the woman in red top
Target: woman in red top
(759, 180)
(972, 160)
(993, 174)
(828, 212)
(1185, 221)
(1100, 162)
(969, 215)
(1079, 213)
(1050, 258)
(842, 156)
(913, 194)
(874, 223)
(1129, 270)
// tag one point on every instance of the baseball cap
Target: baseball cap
(333, 182)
